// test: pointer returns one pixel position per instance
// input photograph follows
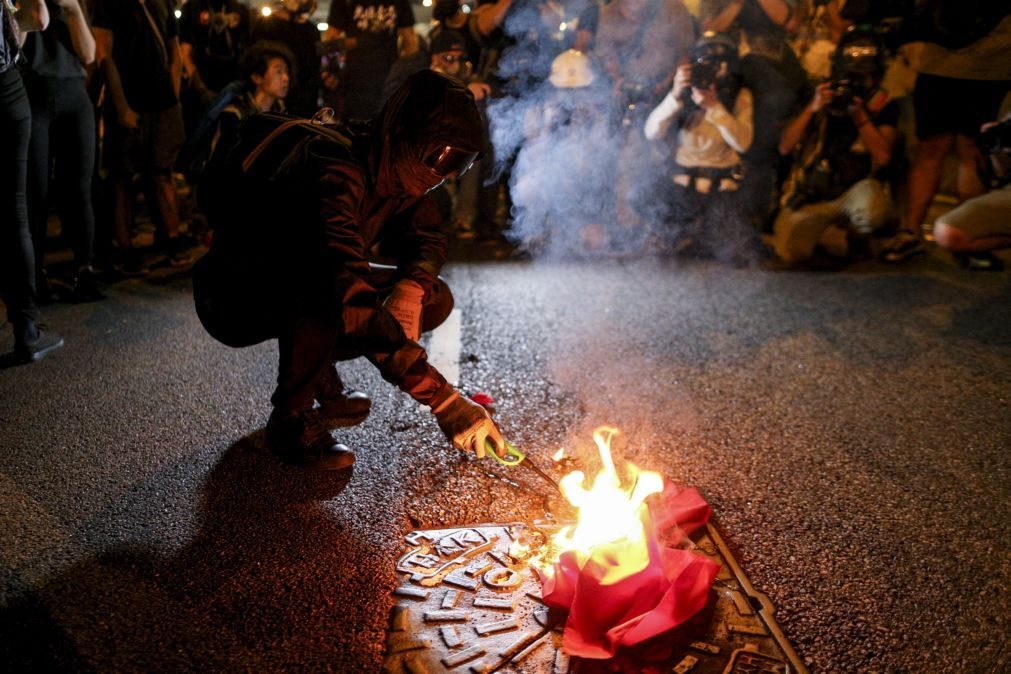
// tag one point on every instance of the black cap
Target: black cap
(446, 40)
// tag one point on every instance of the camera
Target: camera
(995, 139)
(843, 90)
(704, 73)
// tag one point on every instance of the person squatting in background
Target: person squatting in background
(983, 224)
(843, 140)
(17, 255)
(265, 71)
(63, 134)
(291, 26)
(711, 114)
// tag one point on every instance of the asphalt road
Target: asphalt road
(850, 430)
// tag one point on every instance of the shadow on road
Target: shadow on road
(252, 586)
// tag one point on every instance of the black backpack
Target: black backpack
(266, 182)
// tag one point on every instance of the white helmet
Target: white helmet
(571, 70)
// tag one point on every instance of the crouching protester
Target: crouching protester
(975, 228)
(299, 206)
(712, 114)
(843, 145)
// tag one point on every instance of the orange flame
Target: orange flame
(607, 513)
(559, 455)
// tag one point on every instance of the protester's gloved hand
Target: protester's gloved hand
(405, 305)
(467, 425)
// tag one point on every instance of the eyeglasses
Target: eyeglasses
(452, 58)
(448, 161)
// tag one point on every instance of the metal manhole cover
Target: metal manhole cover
(465, 605)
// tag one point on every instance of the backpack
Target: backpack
(269, 175)
(261, 195)
(197, 150)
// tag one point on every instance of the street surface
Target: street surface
(851, 432)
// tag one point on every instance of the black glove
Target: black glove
(468, 425)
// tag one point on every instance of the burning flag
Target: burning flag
(620, 585)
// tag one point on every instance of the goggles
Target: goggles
(447, 161)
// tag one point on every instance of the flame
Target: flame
(608, 513)
(559, 455)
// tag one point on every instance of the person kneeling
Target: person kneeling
(296, 208)
(836, 188)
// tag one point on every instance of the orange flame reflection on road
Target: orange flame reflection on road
(607, 513)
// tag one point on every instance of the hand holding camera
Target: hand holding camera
(823, 96)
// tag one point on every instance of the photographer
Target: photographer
(710, 141)
(983, 224)
(844, 141)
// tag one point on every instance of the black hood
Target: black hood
(428, 112)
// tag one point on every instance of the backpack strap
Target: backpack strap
(247, 163)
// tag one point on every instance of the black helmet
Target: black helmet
(715, 47)
(859, 52)
(429, 130)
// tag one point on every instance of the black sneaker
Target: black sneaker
(178, 250)
(339, 406)
(30, 351)
(904, 246)
(980, 261)
(130, 264)
(86, 287)
(302, 440)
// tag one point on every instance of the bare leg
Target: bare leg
(924, 177)
(969, 184)
(164, 192)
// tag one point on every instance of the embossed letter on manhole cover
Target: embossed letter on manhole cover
(465, 605)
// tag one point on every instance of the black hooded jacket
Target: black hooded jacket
(296, 216)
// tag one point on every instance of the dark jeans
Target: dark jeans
(310, 343)
(63, 130)
(17, 258)
(714, 224)
(238, 312)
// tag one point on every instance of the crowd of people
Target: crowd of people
(791, 130)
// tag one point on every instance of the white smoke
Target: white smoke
(584, 180)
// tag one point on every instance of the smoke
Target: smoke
(584, 181)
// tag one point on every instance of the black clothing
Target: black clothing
(141, 48)
(843, 159)
(295, 267)
(473, 42)
(950, 105)
(874, 12)
(17, 258)
(63, 130)
(375, 25)
(301, 39)
(50, 53)
(850, 160)
(219, 31)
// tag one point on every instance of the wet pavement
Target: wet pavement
(850, 431)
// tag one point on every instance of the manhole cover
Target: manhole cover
(465, 605)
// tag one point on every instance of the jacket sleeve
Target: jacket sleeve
(408, 369)
(737, 129)
(414, 238)
(659, 120)
(366, 324)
